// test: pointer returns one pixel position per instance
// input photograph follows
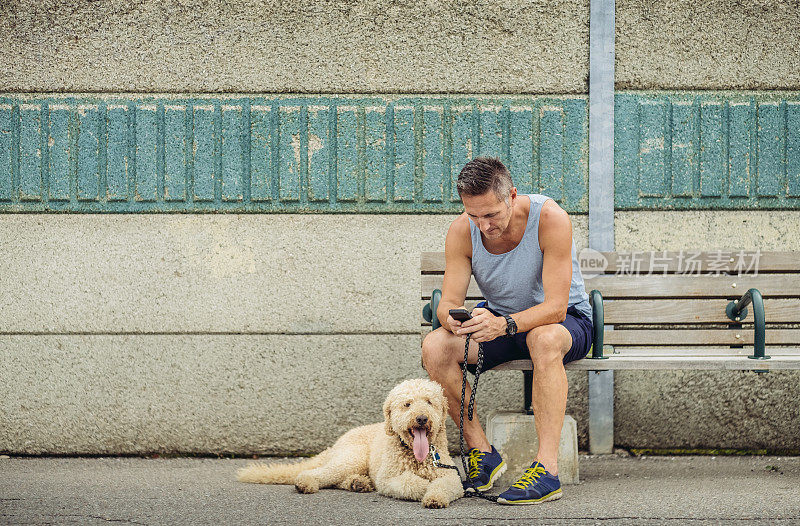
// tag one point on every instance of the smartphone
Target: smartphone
(461, 315)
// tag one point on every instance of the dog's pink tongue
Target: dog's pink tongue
(420, 444)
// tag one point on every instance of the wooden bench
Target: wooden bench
(737, 310)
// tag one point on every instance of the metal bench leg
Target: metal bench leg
(528, 391)
(601, 412)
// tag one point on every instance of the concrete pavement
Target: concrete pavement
(614, 490)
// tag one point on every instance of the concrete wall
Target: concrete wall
(307, 46)
(717, 44)
(316, 318)
(212, 333)
(275, 333)
(384, 46)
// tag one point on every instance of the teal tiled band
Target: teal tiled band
(727, 150)
(280, 154)
(673, 151)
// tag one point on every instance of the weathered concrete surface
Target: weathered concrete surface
(707, 410)
(707, 230)
(616, 491)
(243, 394)
(196, 394)
(389, 47)
(289, 273)
(492, 46)
(514, 436)
(716, 44)
(214, 273)
(686, 409)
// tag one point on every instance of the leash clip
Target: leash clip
(437, 460)
(434, 456)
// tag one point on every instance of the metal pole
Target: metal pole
(601, 195)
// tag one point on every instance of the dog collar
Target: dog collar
(404, 444)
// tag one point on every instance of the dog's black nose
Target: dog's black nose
(422, 420)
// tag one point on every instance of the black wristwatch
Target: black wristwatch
(511, 327)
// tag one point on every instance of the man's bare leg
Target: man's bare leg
(442, 355)
(548, 344)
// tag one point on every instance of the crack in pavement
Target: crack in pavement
(80, 516)
(629, 518)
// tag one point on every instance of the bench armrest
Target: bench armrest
(737, 311)
(429, 310)
(598, 322)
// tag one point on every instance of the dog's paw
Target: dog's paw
(305, 483)
(434, 502)
(360, 484)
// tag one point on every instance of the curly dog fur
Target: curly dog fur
(380, 456)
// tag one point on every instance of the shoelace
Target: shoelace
(530, 476)
(474, 468)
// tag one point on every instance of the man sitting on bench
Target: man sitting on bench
(521, 252)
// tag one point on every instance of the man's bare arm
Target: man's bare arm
(457, 273)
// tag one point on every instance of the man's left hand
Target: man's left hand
(484, 326)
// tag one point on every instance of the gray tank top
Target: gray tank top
(512, 282)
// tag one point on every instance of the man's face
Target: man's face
(489, 213)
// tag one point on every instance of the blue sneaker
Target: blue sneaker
(484, 469)
(535, 486)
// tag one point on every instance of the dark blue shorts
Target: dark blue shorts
(505, 349)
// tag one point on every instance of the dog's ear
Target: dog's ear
(387, 417)
(443, 401)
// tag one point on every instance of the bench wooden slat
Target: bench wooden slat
(701, 312)
(665, 286)
(692, 311)
(691, 350)
(678, 285)
(771, 261)
(655, 337)
(718, 363)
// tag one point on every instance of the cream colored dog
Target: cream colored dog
(392, 457)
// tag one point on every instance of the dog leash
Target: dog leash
(478, 368)
(434, 454)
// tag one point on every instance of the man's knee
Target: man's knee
(435, 349)
(545, 344)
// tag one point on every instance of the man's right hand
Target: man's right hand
(453, 323)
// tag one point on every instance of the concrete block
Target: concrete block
(514, 436)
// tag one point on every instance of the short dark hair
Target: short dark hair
(483, 174)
